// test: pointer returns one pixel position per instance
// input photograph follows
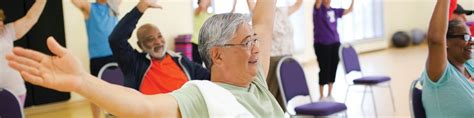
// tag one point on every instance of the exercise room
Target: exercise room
(236, 58)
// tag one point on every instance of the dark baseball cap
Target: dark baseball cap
(460, 10)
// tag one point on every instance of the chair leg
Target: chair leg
(363, 98)
(393, 101)
(347, 91)
(373, 101)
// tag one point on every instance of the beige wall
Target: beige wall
(174, 19)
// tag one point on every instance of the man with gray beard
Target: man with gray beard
(154, 70)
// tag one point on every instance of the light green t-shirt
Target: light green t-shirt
(198, 22)
(256, 99)
(452, 96)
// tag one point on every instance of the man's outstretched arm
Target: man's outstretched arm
(64, 72)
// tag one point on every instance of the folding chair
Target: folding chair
(350, 62)
(292, 82)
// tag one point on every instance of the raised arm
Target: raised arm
(64, 72)
(84, 6)
(437, 54)
(251, 5)
(118, 39)
(349, 10)
(202, 7)
(233, 7)
(262, 19)
(318, 3)
(23, 25)
(119, 2)
(293, 8)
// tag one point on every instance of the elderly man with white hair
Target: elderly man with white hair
(236, 52)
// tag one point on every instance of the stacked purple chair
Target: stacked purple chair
(350, 62)
(183, 44)
(9, 105)
(292, 82)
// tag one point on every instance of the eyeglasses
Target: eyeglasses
(466, 37)
(249, 44)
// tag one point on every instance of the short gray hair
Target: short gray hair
(217, 31)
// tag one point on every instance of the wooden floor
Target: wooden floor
(402, 65)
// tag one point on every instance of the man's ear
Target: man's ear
(216, 56)
(139, 45)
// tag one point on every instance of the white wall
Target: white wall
(175, 18)
(399, 15)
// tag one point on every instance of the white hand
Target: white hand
(62, 72)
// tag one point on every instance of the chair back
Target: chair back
(416, 104)
(111, 73)
(349, 58)
(10, 105)
(291, 79)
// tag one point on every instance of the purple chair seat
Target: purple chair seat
(320, 108)
(371, 80)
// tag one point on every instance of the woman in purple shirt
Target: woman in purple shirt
(326, 41)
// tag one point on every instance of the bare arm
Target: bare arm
(292, 9)
(349, 10)
(263, 18)
(318, 4)
(251, 5)
(437, 54)
(64, 72)
(84, 6)
(23, 25)
(233, 6)
(126, 102)
(202, 7)
(119, 2)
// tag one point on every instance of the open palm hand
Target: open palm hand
(152, 4)
(62, 72)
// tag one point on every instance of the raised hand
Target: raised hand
(62, 72)
(145, 4)
(153, 4)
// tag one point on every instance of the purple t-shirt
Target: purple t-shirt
(325, 25)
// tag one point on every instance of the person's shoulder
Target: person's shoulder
(321, 10)
(9, 25)
(9, 28)
(447, 74)
(470, 63)
(190, 100)
(188, 90)
(177, 56)
(94, 4)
